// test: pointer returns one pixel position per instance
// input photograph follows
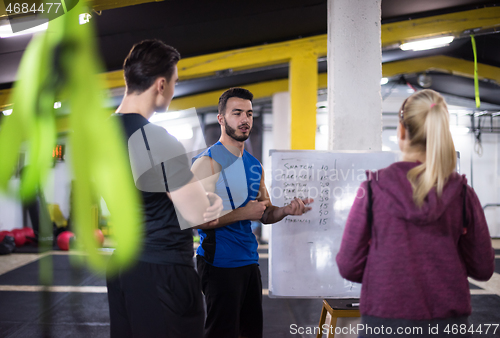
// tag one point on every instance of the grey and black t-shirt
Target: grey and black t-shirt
(159, 164)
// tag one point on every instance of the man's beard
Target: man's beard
(232, 132)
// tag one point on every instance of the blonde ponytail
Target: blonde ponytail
(425, 115)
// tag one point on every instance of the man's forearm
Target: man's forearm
(230, 217)
(233, 216)
(273, 214)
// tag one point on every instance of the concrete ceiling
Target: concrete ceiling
(203, 27)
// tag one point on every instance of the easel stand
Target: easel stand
(337, 308)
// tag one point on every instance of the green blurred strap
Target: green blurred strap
(476, 79)
(63, 63)
(64, 6)
(99, 160)
(21, 125)
(32, 123)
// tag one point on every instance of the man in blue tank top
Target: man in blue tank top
(227, 257)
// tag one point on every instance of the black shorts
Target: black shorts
(234, 300)
(155, 300)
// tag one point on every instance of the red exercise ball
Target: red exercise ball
(63, 240)
(19, 237)
(99, 236)
(5, 233)
(29, 233)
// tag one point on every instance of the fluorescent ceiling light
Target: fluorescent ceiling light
(6, 30)
(7, 112)
(427, 43)
(84, 18)
(384, 81)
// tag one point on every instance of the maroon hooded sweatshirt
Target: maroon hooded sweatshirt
(414, 262)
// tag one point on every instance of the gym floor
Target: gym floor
(76, 305)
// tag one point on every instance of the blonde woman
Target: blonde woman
(415, 232)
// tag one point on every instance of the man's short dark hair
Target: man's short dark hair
(233, 92)
(146, 61)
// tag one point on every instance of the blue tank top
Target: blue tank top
(233, 245)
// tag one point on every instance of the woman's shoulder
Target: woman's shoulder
(392, 171)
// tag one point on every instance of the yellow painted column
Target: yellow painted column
(303, 87)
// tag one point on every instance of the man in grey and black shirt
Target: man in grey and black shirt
(160, 295)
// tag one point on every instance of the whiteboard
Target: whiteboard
(302, 249)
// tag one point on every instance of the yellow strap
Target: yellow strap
(476, 79)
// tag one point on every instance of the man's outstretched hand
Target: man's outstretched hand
(298, 206)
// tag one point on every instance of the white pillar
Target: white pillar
(354, 73)
(281, 121)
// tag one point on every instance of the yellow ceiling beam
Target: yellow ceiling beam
(392, 33)
(254, 57)
(62, 124)
(5, 98)
(265, 55)
(259, 90)
(113, 79)
(446, 24)
(239, 59)
(441, 63)
(437, 63)
(204, 65)
(110, 79)
(210, 99)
